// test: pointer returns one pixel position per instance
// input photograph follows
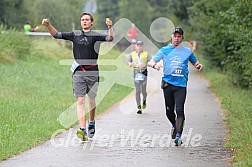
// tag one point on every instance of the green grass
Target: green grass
(238, 106)
(14, 45)
(34, 92)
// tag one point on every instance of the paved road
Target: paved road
(125, 138)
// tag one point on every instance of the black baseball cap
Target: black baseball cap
(178, 30)
(139, 43)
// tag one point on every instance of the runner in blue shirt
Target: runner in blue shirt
(175, 59)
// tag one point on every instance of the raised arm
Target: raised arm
(110, 29)
(53, 31)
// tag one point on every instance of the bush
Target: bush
(239, 17)
(224, 30)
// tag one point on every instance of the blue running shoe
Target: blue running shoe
(82, 134)
(178, 141)
(91, 129)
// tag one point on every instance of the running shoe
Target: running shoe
(139, 110)
(82, 134)
(144, 104)
(91, 129)
(178, 141)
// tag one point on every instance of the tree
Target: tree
(176, 11)
(224, 31)
(14, 13)
(106, 9)
(239, 62)
(138, 12)
(11, 14)
(210, 29)
(180, 9)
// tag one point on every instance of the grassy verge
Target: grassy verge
(238, 106)
(34, 92)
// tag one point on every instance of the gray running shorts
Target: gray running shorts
(85, 84)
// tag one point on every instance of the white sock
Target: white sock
(92, 122)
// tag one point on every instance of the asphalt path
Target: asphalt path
(125, 138)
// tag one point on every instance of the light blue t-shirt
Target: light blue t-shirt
(175, 62)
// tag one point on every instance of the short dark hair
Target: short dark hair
(85, 13)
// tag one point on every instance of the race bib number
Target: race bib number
(178, 72)
(74, 66)
(139, 77)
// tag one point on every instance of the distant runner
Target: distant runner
(138, 60)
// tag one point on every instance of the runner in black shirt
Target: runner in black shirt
(86, 44)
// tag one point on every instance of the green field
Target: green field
(35, 90)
